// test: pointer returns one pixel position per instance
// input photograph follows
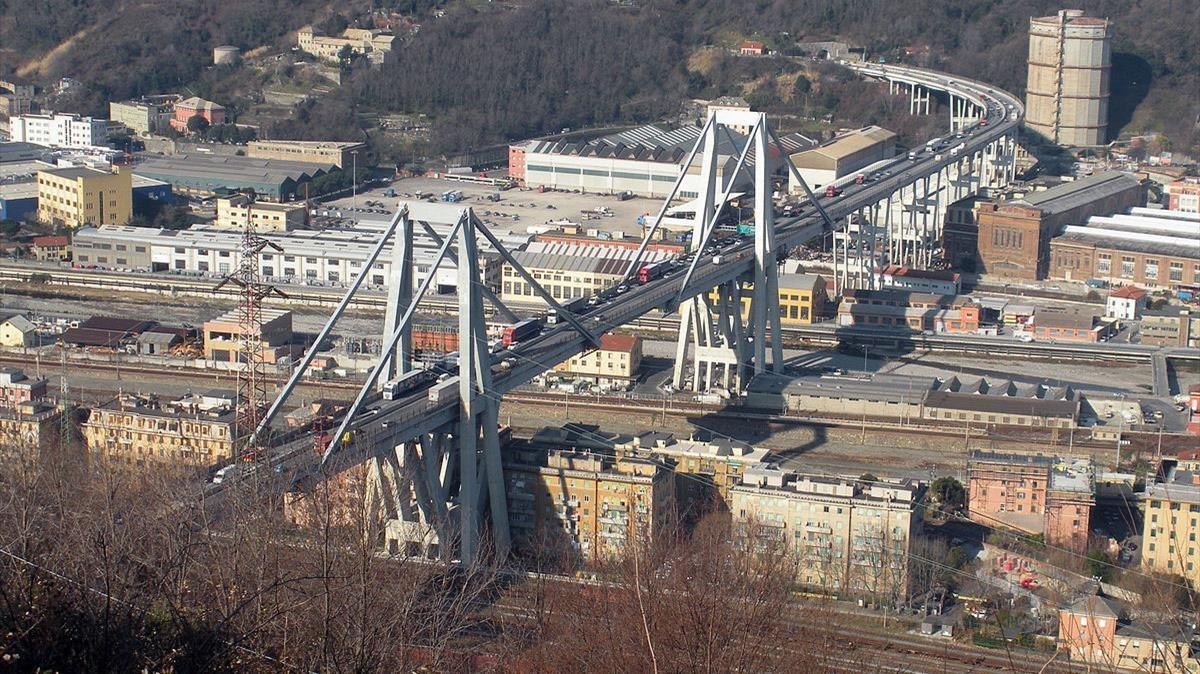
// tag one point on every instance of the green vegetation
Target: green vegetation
(949, 494)
(488, 73)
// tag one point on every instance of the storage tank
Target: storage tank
(1066, 99)
(226, 54)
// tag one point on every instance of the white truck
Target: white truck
(443, 390)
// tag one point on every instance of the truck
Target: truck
(572, 306)
(912, 156)
(860, 179)
(833, 191)
(653, 271)
(405, 383)
(443, 390)
(518, 332)
(717, 259)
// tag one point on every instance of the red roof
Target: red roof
(623, 343)
(51, 241)
(1188, 455)
(1128, 293)
(896, 270)
(751, 44)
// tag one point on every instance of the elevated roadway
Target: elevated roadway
(384, 424)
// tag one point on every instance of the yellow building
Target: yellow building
(1171, 526)
(592, 504)
(705, 471)
(615, 363)
(193, 432)
(78, 196)
(264, 215)
(373, 43)
(341, 155)
(852, 538)
(801, 299)
(17, 331)
(32, 426)
(564, 276)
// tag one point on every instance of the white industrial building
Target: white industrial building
(836, 159)
(59, 130)
(645, 161)
(330, 258)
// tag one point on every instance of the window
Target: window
(1151, 269)
(1176, 272)
(1126, 265)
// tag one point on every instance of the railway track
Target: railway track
(821, 334)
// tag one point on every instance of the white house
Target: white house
(1126, 303)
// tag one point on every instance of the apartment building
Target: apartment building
(1184, 195)
(705, 471)
(16, 388)
(266, 216)
(223, 337)
(1096, 630)
(51, 248)
(802, 299)
(616, 363)
(192, 432)
(852, 538)
(1171, 524)
(78, 196)
(1033, 494)
(30, 427)
(1126, 303)
(61, 130)
(341, 155)
(590, 503)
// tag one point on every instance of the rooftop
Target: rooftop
(909, 272)
(986, 404)
(855, 141)
(1079, 192)
(614, 342)
(772, 478)
(220, 168)
(1142, 230)
(75, 172)
(1073, 318)
(1128, 293)
(798, 281)
(1175, 484)
(198, 103)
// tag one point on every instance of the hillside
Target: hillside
(488, 73)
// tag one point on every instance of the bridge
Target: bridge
(432, 446)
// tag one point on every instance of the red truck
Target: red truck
(832, 191)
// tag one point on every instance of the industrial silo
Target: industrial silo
(1066, 100)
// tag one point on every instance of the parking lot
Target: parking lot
(518, 208)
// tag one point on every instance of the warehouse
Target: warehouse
(569, 270)
(271, 179)
(311, 257)
(842, 156)
(1150, 248)
(645, 161)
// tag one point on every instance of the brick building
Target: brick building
(1014, 235)
(1147, 247)
(186, 109)
(1034, 494)
(1069, 324)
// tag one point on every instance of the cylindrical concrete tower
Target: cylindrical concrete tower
(226, 54)
(1066, 100)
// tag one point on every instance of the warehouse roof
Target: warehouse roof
(798, 281)
(232, 169)
(853, 142)
(1079, 192)
(892, 388)
(1134, 242)
(1072, 318)
(572, 263)
(1001, 404)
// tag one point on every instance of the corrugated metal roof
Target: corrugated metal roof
(1080, 192)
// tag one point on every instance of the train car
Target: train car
(573, 306)
(518, 332)
(405, 384)
(653, 271)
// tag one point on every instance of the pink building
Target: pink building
(186, 109)
(1034, 494)
(1184, 195)
(16, 388)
